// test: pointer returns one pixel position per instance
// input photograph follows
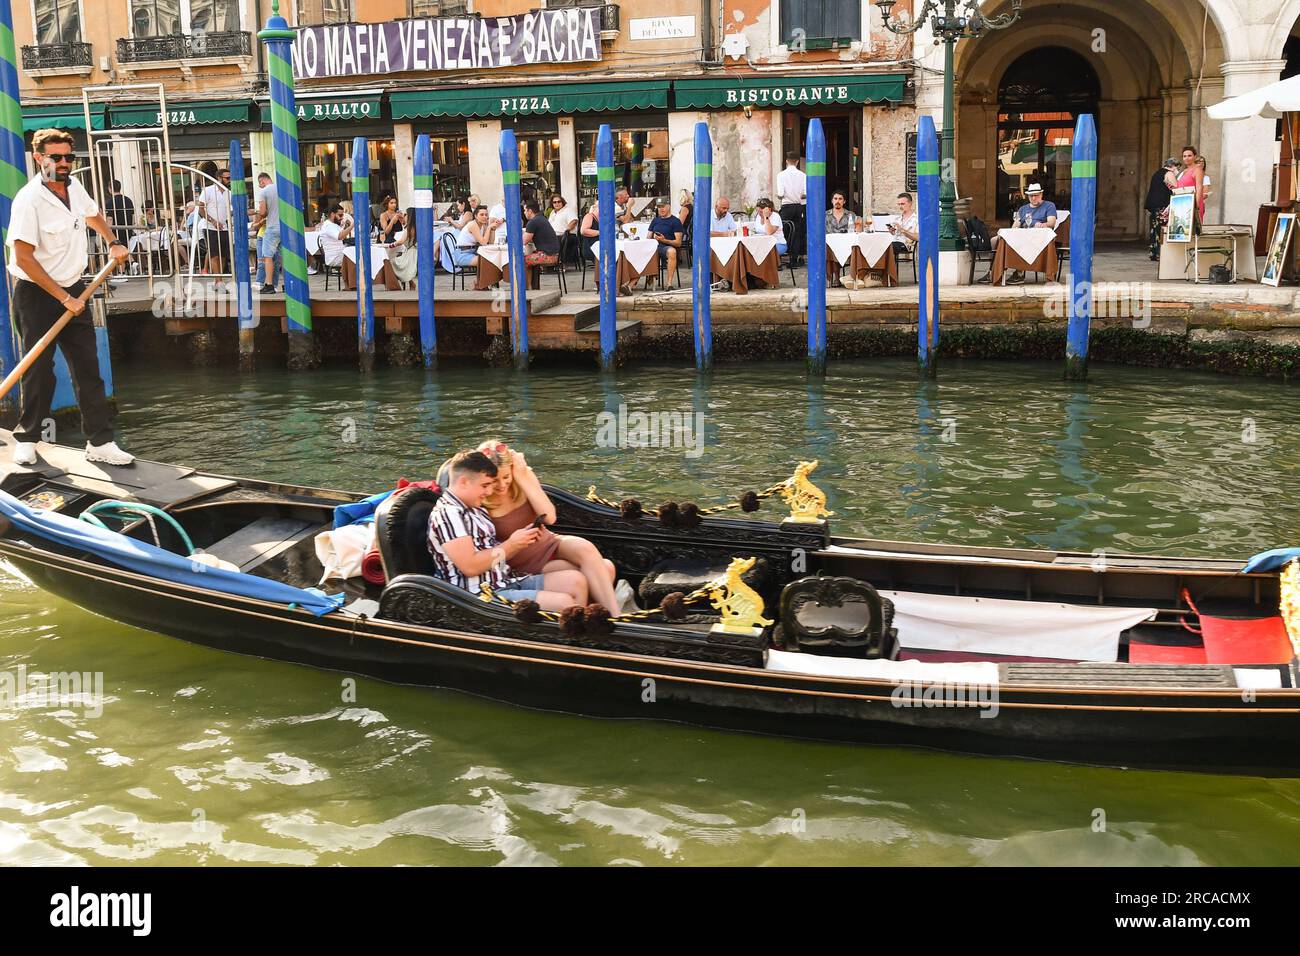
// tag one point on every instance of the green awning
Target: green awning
(61, 116)
(179, 114)
(561, 98)
(787, 92)
(342, 108)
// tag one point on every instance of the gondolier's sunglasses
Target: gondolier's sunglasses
(60, 157)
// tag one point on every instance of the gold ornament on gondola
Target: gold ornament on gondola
(1289, 605)
(807, 502)
(740, 605)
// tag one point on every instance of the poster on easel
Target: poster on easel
(1279, 248)
(1182, 217)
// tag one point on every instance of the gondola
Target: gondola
(760, 624)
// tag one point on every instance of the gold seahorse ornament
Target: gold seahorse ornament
(807, 502)
(1290, 601)
(740, 605)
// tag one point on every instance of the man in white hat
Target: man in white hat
(1038, 213)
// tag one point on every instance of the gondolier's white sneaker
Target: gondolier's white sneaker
(108, 453)
(25, 453)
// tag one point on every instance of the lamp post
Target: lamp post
(950, 21)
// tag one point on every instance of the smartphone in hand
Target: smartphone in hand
(538, 521)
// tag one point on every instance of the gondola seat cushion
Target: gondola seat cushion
(402, 532)
(680, 574)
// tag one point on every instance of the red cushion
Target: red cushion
(1261, 640)
(1164, 654)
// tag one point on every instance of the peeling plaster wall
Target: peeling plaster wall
(742, 157)
(885, 153)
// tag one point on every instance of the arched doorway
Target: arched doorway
(1040, 96)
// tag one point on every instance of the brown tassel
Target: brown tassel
(572, 620)
(528, 612)
(674, 606)
(630, 509)
(689, 516)
(749, 501)
(597, 619)
(668, 514)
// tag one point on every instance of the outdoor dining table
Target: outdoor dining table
(379, 267)
(1029, 250)
(635, 258)
(738, 259)
(312, 238)
(859, 253)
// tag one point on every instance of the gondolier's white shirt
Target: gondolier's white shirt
(57, 232)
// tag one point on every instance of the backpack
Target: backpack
(977, 235)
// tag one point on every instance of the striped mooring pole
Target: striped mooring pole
(701, 268)
(425, 250)
(608, 265)
(927, 247)
(1083, 212)
(284, 137)
(509, 153)
(12, 177)
(239, 254)
(816, 221)
(361, 233)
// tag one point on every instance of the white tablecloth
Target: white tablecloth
(498, 255)
(312, 238)
(148, 241)
(1028, 243)
(637, 252)
(378, 256)
(724, 247)
(873, 246)
(760, 247)
(636, 230)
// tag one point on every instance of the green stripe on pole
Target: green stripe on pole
(928, 168)
(361, 182)
(1084, 167)
(510, 177)
(237, 186)
(604, 174)
(703, 169)
(816, 169)
(424, 181)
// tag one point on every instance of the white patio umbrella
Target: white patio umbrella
(1269, 102)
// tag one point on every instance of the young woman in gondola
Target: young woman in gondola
(516, 501)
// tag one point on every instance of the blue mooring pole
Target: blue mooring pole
(509, 152)
(1083, 200)
(425, 250)
(816, 220)
(701, 269)
(239, 252)
(361, 233)
(608, 265)
(927, 247)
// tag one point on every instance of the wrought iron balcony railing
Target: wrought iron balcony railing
(52, 56)
(182, 46)
(609, 19)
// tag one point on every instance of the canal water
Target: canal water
(204, 757)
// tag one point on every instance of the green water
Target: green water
(204, 757)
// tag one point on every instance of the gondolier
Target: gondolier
(48, 255)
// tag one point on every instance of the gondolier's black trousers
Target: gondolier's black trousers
(36, 311)
(796, 213)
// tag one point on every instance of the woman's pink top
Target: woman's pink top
(533, 558)
(1188, 178)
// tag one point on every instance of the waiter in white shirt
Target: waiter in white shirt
(48, 255)
(792, 190)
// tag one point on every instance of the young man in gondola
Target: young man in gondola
(465, 549)
(48, 254)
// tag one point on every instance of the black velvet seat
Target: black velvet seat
(676, 574)
(402, 532)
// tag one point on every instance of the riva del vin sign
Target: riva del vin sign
(568, 35)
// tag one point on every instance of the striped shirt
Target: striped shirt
(451, 519)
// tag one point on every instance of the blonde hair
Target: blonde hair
(498, 452)
(685, 198)
(43, 137)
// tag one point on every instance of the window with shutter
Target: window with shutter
(817, 24)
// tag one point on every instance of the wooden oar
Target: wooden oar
(12, 378)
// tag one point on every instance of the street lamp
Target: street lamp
(950, 21)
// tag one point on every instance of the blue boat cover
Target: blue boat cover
(144, 558)
(1271, 560)
(359, 512)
